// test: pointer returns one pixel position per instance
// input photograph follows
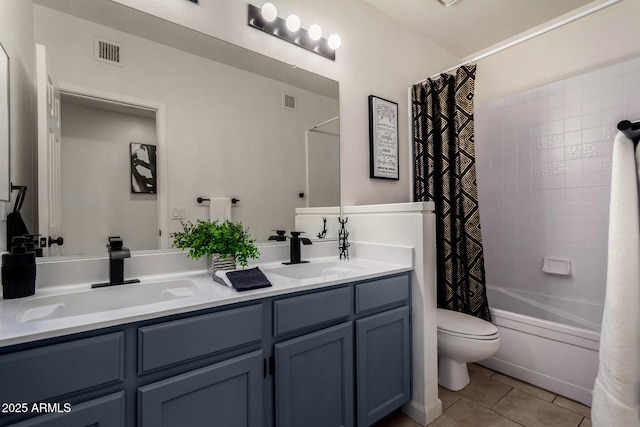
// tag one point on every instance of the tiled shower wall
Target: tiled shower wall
(544, 175)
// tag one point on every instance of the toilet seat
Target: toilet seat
(466, 326)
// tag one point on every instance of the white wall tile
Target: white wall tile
(573, 166)
(591, 135)
(556, 127)
(573, 124)
(592, 164)
(556, 113)
(592, 120)
(573, 110)
(612, 100)
(572, 96)
(592, 149)
(592, 106)
(573, 83)
(573, 138)
(557, 87)
(591, 91)
(550, 176)
(591, 77)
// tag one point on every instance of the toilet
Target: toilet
(462, 339)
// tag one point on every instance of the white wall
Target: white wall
(545, 121)
(97, 201)
(227, 132)
(378, 56)
(16, 36)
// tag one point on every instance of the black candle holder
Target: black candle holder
(343, 239)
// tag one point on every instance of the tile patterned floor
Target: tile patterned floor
(493, 399)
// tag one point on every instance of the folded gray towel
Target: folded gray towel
(246, 280)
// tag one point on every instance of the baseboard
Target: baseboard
(417, 412)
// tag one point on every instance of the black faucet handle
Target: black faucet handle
(296, 234)
(279, 236)
(115, 242)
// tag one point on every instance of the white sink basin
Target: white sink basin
(322, 270)
(104, 299)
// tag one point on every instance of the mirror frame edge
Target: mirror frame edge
(8, 88)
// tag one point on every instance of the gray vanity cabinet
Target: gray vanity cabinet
(107, 411)
(226, 394)
(314, 379)
(383, 364)
(338, 356)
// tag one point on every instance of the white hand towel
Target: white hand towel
(616, 394)
(220, 209)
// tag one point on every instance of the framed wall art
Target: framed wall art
(383, 138)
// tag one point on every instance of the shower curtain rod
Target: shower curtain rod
(528, 37)
(325, 122)
(630, 130)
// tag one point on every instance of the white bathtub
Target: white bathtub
(553, 344)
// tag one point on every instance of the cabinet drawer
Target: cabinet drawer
(185, 339)
(54, 370)
(303, 311)
(383, 292)
(105, 411)
(229, 393)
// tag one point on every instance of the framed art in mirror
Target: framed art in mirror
(143, 168)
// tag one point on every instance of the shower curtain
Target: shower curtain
(616, 393)
(445, 172)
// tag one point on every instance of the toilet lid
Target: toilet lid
(461, 324)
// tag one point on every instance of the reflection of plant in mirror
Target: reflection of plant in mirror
(226, 238)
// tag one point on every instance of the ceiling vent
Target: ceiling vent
(289, 101)
(107, 51)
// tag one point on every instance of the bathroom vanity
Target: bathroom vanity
(337, 353)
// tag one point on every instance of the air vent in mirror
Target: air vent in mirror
(289, 101)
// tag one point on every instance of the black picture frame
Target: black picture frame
(143, 168)
(383, 139)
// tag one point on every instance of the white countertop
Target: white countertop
(209, 294)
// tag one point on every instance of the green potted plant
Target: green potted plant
(224, 243)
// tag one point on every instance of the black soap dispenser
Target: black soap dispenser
(18, 271)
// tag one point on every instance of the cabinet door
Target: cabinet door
(226, 394)
(383, 362)
(106, 411)
(314, 379)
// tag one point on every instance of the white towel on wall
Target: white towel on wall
(616, 393)
(220, 209)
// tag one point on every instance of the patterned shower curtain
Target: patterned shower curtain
(445, 172)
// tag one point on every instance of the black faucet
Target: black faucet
(295, 247)
(117, 255)
(279, 236)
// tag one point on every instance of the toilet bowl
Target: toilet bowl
(462, 339)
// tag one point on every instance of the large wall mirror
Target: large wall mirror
(230, 123)
(5, 177)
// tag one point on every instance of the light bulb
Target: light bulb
(315, 32)
(334, 41)
(269, 12)
(293, 23)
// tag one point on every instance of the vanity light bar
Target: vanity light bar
(278, 28)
